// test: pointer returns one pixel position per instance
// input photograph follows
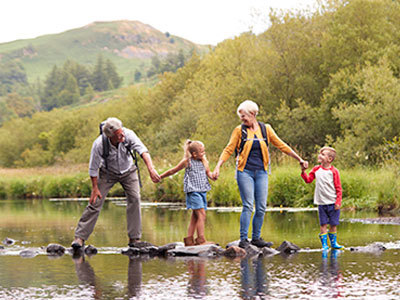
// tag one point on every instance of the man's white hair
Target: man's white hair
(111, 125)
(248, 107)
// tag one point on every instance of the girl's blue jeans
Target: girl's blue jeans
(253, 188)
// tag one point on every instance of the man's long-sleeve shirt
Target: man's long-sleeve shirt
(119, 160)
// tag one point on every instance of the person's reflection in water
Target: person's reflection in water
(134, 277)
(254, 279)
(331, 275)
(197, 278)
(86, 274)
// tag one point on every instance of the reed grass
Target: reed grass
(376, 189)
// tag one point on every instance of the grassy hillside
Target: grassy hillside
(128, 44)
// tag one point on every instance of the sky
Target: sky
(200, 21)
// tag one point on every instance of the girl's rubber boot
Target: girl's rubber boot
(333, 240)
(324, 241)
(189, 241)
(202, 241)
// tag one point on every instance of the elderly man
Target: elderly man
(105, 170)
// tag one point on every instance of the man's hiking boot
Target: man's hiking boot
(77, 244)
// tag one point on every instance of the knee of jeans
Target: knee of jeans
(260, 211)
(247, 207)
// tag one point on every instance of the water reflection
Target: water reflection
(197, 278)
(330, 274)
(85, 274)
(254, 278)
(135, 271)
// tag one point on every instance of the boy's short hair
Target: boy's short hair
(331, 152)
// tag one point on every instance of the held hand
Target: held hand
(215, 174)
(337, 207)
(303, 164)
(154, 176)
(93, 196)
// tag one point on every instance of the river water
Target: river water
(309, 274)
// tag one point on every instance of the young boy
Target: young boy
(327, 195)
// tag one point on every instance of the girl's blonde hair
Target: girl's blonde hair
(193, 146)
(190, 147)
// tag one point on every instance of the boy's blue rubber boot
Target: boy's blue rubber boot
(324, 241)
(333, 240)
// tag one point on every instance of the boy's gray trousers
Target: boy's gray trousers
(106, 180)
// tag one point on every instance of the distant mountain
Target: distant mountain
(130, 45)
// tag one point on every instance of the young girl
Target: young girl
(195, 186)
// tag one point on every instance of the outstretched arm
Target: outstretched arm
(215, 174)
(207, 167)
(303, 163)
(310, 177)
(150, 167)
(182, 164)
(95, 191)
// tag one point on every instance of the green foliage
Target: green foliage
(329, 76)
(64, 86)
(170, 63)
(12, 75)
(17, 189)
(287, 188)
(225, 192)
(372, 119)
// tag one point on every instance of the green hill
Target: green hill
(128, 44)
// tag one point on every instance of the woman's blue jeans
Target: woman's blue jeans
(253, 188)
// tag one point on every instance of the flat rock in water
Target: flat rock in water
(29, 253)
(252, 250)
(141, 244)
(267, 251)
(288, 247)
(131, 251)
(162, 250)
(55, 249)
(376, 248)
(8, 241)
(234, 243)
(208, 250)
(90, 250)
(234, 251)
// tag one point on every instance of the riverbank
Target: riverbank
(376, 189)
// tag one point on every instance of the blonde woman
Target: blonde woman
(251, 141)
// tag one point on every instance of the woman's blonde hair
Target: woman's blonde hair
(248, 107)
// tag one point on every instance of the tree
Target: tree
(99, 79)
(366, 124)
(112, 75)
(138, 76)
